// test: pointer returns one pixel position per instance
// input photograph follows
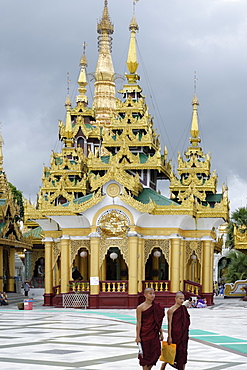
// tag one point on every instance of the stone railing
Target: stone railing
(157, 285)
(79, 286)
(117, 286)
(192, 287)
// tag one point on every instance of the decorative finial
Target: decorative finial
(105, 25)
(82, 79)
(195, 140)
(132, 63)
(83, 61)
(68, 101)
(134, 5)
(68, 83)
(195, 79)
(195, 100)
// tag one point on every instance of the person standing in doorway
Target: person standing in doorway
(149, 333)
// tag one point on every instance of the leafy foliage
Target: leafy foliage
(237, 268)
(18, 197)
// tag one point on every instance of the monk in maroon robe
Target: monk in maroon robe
(148, 329)
(178, 331)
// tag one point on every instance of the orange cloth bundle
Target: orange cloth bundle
(168, 352)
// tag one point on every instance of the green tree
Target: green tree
(238, 218)
(19, 199)
(237, 268)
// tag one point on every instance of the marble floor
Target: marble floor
(51, 339)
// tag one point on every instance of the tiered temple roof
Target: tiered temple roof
(115, 141)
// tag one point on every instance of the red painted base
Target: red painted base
(133, 300)
(209, 297)
(93, 301)
(48, 299)
(122, 300)
(58, 301)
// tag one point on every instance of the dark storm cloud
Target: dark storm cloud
(41, 41)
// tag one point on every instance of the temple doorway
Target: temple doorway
(156, 267)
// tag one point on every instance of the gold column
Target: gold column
(212, 267)
(65, 264)
(103, 269)
(11, 278)
(133, 264)
(48, 265)
(182, 264)
(174, 267)
(56, 274)
(94, 260)
(207, 278)
(1, 268)
(140, 264)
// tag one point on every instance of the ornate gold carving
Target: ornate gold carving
(113, 190)
(56, 251)
(75, 245)
(114, 224)
(34, 258)
(122, 244)
(127, 198)
(193, 246)
(150, 244)
(118, 174)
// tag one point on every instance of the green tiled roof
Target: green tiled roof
(214, 198)
(2, 202)
(143, 158)
(35, 233)
(2, 224)
(88, 125)
(147, 194)
(105, 159)
(80, 200)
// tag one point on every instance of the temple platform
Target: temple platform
(46, 338)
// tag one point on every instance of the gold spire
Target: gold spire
(194, 122)
(105, 25)
(82, 80)
(132, 63)
(104, 94)
(195, 139)
(68, 103)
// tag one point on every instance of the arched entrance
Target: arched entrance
(116, 268)
(156, 267)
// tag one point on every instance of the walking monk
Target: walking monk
(178, 331)
(149, 317)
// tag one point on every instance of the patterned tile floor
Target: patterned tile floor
(51, 339)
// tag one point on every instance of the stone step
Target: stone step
(14, 298)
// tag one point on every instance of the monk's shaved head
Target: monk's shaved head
(146, 290)
(178, 294)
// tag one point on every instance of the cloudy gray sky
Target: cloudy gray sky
(42, 40)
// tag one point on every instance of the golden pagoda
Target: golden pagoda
(11, 238)
(107, 231)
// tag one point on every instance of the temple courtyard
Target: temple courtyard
(46, 338)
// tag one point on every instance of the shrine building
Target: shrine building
(106, 230)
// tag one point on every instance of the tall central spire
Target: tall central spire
(195, 139)
(132, 62)
(104, 94)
